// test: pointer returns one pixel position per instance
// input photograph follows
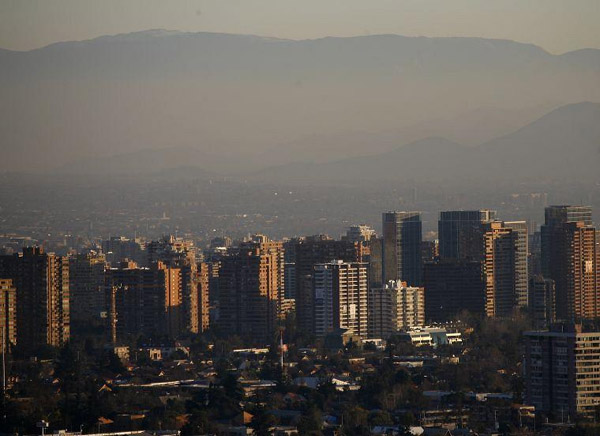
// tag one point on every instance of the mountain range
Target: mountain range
(330, 109)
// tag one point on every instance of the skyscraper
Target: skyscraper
(505, 266)
(402, 236)
(42, 288)
(250, 286)
(570, 258)
(340, 297)
(203, 296)
(394, 307)
(452, 286)
(460, 233)
(181, 254)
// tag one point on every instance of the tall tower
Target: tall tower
(460, 233)
(250, 286)
(311, 251)
(402, 237)
(181, 254)
(145, 301)
(42, 283)
(340, 297)
(8, 314)
(570, 258)
(505, 266)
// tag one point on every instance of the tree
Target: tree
(262, 422)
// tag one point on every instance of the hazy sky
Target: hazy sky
(556, 25)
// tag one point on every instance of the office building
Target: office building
(562, 371)
(340, 297)
(542, 301)
(570, 258)
(402, 237)
(393, 308)
(8, 314)
(309, 252)
(453, 286)
(251, 285)
(42, 288)
(460, 233)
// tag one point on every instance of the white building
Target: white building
(340, 297)
(393, 308)
(432, 336)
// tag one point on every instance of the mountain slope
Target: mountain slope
(563, 146)
(231, 94)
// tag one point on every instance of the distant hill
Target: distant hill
(241, 96)
(563, 146)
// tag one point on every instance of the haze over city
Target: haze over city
(226, 217)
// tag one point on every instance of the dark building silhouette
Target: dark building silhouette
(145, 301)
(86, 287)
(402, 237)
(460, 233)
(542, 301)
(454, 286)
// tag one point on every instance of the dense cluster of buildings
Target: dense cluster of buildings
(370, 286)
(364, 286)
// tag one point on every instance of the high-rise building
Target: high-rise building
(311, 251)
(42, 287)
(562, 371)
(145, 301)
(203, 296)
(505, 266)
(375, 262)
(8, 314)
(460, 233)
(181, 254)
(340, 297)
(452, 286)
(570, 258)
(402, 237)
(395, 307)
(542, 302)
(250, 287)
(86, 287)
